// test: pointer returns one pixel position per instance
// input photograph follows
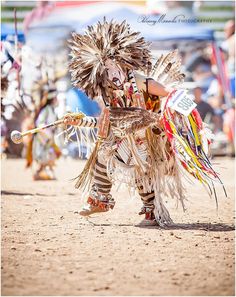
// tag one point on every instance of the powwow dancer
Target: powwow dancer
(42, 147)
(148, 131)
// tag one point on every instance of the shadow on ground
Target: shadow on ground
(218, 227)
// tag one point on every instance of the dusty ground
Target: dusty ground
(48, 249)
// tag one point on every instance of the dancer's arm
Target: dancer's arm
(87, 121)
(151, 86)
(157, 89)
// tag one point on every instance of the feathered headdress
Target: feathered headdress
(106, 40)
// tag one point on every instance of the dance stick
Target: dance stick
(17, 136)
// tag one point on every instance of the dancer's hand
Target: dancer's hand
(69, 119)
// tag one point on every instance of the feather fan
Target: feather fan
(167, 69)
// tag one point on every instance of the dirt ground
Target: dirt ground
(48, 249)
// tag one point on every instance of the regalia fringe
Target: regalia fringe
(83, 181)
(160, 172)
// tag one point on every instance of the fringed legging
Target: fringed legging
(103, 185)
(101, 181)
(146, 197)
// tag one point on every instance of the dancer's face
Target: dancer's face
(115, 73)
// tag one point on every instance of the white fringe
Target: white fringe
(160, 173)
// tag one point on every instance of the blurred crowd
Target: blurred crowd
(213, 86)
(35, 89)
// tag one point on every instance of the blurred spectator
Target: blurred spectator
(215, 98)
(229, 129)
(229, 117)
(200, 67)
(228, 46)
(206, 111)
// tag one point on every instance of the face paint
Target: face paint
(115, 73)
